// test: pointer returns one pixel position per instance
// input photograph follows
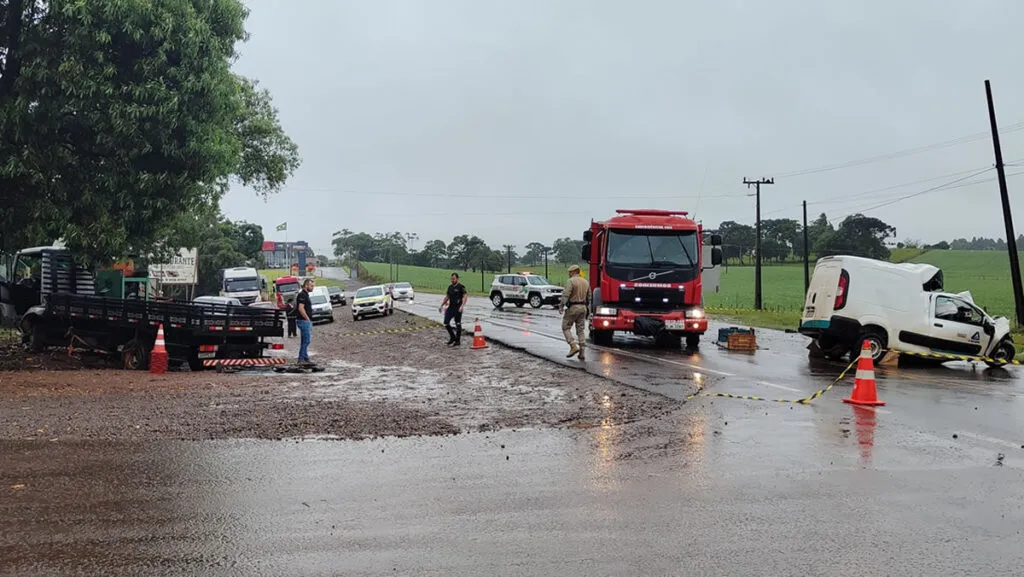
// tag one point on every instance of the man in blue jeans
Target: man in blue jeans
(304, 309)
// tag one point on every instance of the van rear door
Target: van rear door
(828, 289)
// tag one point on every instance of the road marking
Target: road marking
(992, 440)
(767, 384)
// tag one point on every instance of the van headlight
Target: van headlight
(695, 313)
(607, 312)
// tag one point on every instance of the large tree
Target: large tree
(119, 118)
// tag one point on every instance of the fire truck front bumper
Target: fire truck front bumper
(615, 319)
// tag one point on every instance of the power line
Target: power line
(615, 196)
(940, 188)
(977, 136)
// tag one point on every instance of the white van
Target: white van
(896, 306)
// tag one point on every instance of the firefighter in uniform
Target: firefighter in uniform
(575, 307)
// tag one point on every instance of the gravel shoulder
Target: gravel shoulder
(385, 376)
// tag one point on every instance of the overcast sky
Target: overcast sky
(520, 121)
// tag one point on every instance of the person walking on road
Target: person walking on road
(574, 307)
(455, 300)
(304, 309)
(290, 312)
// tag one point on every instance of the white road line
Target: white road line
(992, 440)
(790, 389)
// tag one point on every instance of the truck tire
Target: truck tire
(33, 337)
(1004, 351)
(603, 338)
(692, 342)
(536, 301)
(877, 342)
(134, 356)
(497, 300)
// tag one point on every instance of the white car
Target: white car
(322, 308)
(896, 306)
(372, 300)
(522, 288)
(402, 291)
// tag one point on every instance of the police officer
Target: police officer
(575, 296)
(455, 300)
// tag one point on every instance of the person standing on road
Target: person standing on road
(290, 312)
(304, 309)
(455, 300)
(574, 307)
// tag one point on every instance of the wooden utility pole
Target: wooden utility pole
(757, 241)
(807, 254)
(508, 251)
(1011, 240)
(545, 262)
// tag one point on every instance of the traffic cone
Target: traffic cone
(478, 337)
(158, 358)
(864, 392)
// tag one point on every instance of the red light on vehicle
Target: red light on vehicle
(207, 348)
(277, 347)
(842, 289)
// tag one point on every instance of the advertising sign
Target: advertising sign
(182, 270)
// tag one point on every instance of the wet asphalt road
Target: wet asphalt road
(726, 487)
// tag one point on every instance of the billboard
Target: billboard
(182, 270)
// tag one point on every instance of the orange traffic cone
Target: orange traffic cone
(478, 337)
(158, 358)
(864, 392)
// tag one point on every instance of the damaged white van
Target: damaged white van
(896, 306)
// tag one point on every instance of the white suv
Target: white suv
(522, 288)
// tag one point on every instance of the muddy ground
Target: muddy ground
(404, 382)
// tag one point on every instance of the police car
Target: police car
(522, 288)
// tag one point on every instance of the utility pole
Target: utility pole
(1011, 240)
(757, 241)
(482, 274)
(807, 254)
(508, 251)
(545, 262)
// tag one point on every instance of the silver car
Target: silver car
(403, 291)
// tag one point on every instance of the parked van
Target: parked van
(896, 306)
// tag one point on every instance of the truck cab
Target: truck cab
(896, 306)
(646, 271)
(242, 283)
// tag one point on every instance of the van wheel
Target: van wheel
(497, 300)
(1004, 352)
(877, 343)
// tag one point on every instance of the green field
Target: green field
(985, 273)
(273, 274)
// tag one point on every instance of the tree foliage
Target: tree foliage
(782, 239)
(121, 119)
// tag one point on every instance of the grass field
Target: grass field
(985, 273)
(273, 274)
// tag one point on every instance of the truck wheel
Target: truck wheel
(692, 342)
(600, 337)
(134, 356)
(535, 301)
(34, 337)
(877, 343)
(1004, 352)
(497, 300)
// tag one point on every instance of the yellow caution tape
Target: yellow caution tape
(949, 357)
(803, 401)
(393, 331)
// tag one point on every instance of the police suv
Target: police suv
(522, 288)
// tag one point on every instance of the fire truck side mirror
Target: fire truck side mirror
(585, 252)
(588, 235)
(716, 240)
(716, 256)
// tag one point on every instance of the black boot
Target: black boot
(458, 335)
(451, 335)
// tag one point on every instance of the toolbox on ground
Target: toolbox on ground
(737, 339)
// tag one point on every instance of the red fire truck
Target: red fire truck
(645, 273)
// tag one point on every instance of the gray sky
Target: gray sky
(520, 121)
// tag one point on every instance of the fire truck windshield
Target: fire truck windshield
(652, 249)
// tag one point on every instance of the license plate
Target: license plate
(675, 325)
(207, 355)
